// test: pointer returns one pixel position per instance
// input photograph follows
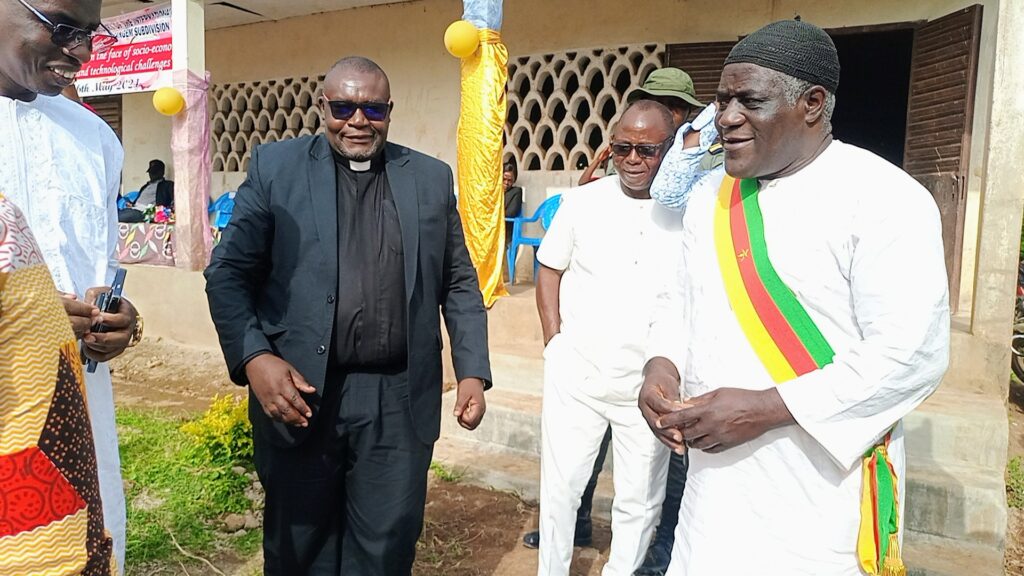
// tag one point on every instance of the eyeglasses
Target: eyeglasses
(71, 37)
(642, 150)
(343, 109)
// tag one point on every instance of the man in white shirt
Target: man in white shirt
(61, 164)
(810, 315)
(608, 251)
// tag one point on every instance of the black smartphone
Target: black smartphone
(108, 302)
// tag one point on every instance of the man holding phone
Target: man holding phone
(61, 164)
(109, 303)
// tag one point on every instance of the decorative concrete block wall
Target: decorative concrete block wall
(561, 107)
(246, 114)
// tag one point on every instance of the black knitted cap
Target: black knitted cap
(792, 47)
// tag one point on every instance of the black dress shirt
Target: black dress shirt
(370, 319)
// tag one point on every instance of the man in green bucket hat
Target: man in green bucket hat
(671, 87)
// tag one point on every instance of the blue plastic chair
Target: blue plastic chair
(220, 210)
(545, 213)
(123, 201)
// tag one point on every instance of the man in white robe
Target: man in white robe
(609, 250)
(775, 474)
(61, 164)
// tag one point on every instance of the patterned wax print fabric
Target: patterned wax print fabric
(51, 516)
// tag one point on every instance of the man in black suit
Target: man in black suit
(326, 290)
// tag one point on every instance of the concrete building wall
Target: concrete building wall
(406, 40)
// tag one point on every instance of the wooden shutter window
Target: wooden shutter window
(703, 62)
(940, 113)
(108, 108)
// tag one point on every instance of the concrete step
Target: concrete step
(513, 325)
(515, 340)
(483, 465)
(934, 433)
(515, 372)
(956, 453)
(965, 503)
(518, 373)
(511, 423)
(946, 498)
(958, 428)
(927, 555)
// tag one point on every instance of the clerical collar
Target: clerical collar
(374, 164)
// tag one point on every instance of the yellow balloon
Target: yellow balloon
(461, 39)
(168, 101)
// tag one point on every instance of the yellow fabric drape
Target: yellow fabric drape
(481, 197)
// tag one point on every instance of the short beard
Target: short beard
(374, 151)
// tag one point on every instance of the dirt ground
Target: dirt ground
(170, 377)
(468, 531)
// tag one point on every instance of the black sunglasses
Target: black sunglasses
(642, 150)
(344, 109)
(70, 37)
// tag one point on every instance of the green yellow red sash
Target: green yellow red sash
(789, 344)
(783, 335)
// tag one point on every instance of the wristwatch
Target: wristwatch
(137, 331)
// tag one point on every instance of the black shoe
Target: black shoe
(584, 535)
(656, 561)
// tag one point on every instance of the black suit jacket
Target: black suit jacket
(273, 279)
(165, 194)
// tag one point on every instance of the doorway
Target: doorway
(871, 103)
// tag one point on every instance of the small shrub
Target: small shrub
(223, 434)
(1015, 483)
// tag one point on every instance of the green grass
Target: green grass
(1015, 483)
(171, 487)
(178, 481)
(444, 473)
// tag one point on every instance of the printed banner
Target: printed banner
(141, 60)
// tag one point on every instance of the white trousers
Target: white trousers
(578, 407)
(100, 396)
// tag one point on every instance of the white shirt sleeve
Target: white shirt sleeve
(668, 334)
(556, 249)
(901, 302)
(113, 156)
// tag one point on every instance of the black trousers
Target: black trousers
(130, 215)
(349, 499)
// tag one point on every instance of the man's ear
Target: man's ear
(814, 104)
